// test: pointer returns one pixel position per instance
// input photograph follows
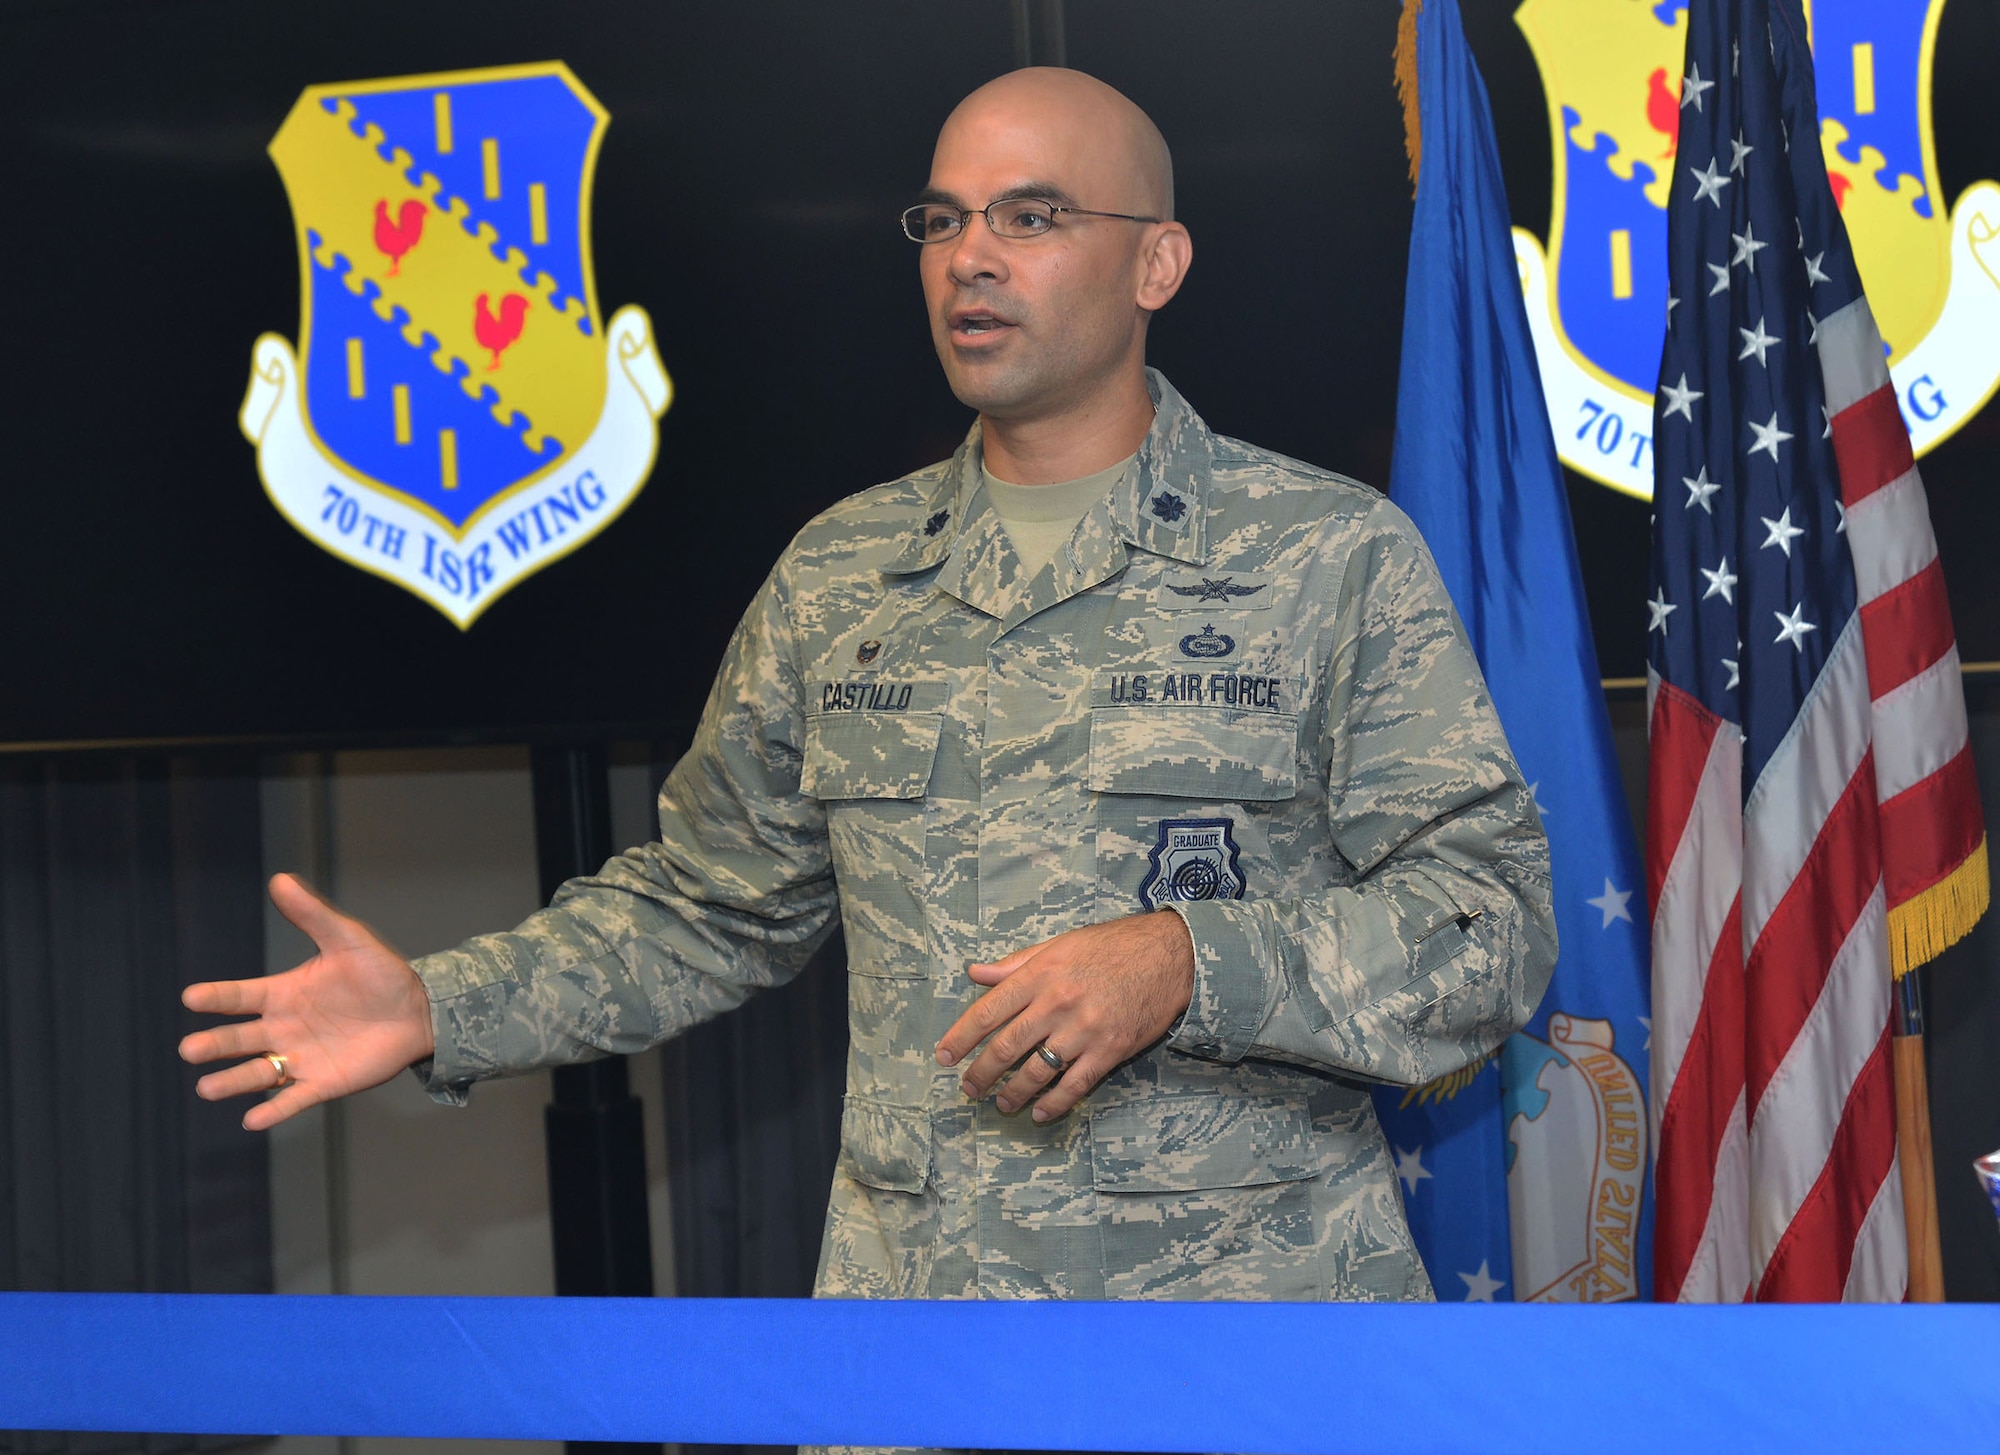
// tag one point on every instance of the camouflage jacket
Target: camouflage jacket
(1240, 692)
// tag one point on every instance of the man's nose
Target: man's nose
(976, 252)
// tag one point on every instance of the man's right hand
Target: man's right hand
(349, 1018)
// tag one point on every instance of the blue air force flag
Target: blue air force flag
(1528, 1178)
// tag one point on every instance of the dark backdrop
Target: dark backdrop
(757, 155)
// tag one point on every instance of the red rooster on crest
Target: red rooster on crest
(398, 237)
(495, 334)
(1663, 110)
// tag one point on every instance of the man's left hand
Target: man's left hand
(1095, 996)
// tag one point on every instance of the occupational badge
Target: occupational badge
(1195, 858)
(1597, 294)
(458, 412)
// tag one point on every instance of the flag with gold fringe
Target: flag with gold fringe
(1815, 830)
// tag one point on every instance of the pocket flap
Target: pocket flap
(889, 1146)
(1193, 752)
(1187, 1143)
(870, 755)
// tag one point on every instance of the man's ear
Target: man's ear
(1166, 260)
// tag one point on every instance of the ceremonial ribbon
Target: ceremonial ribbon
(1355, 1378)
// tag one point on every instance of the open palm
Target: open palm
(349, 1018)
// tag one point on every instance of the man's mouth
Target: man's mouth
(977, 323)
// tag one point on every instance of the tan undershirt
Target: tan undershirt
(1040, 519)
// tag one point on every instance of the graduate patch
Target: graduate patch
(1195, 858)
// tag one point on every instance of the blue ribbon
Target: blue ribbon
(1359, 1379)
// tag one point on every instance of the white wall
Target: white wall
(389, 1193)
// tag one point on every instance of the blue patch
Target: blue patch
(1168, 507)
(867, 652)
(1195, 858)
(936, 522)
(1208, 643)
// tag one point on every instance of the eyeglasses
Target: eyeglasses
(1010, 217)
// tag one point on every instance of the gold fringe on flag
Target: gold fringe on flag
(1448, 1085)
(1925, 926)
(1406, 85)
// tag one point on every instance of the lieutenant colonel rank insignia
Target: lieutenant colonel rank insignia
(1195, 858)
(458, 413)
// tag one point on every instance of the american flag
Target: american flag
(1811, 780)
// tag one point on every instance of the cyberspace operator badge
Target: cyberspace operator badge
(458, 413)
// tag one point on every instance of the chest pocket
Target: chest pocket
(1217, 754)
(872, 770)
(870, 755)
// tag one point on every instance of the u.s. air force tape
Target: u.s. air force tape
(1366, 1379)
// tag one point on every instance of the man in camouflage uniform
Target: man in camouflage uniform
(1198, 828)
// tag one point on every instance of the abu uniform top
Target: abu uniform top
(1239, 693)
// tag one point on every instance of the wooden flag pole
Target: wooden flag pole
(1913, 1143)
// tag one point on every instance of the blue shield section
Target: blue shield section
(1622, 336)
(1893, 31)
(537, 127)
(363, 432)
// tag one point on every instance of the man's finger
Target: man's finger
(1030, 1078)
(226, 997)
(1003, 1052)
(1075, 1085)
(282, 1107)
(244, 1038)
(991, 1011)
(1000, 969)
(241, 1079)
(320, 921)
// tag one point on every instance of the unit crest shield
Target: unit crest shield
(1612, 72)
(458, 412)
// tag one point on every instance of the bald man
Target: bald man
(1149, 773)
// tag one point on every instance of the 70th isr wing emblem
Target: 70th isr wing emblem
(458, 413)
(1613, 71)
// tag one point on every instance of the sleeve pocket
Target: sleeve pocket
(870, 755)
(1214, 754)
(1191, 1143)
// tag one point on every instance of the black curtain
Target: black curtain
(753, 1127)
(121, 880)
(1962, 1046)
(752, 1120)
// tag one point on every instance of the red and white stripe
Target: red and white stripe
(1930, 811)
(1773, 1087)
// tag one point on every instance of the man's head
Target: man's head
(1033, 328)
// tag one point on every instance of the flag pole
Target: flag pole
(1913, 1143)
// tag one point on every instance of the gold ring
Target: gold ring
(278, 1065)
